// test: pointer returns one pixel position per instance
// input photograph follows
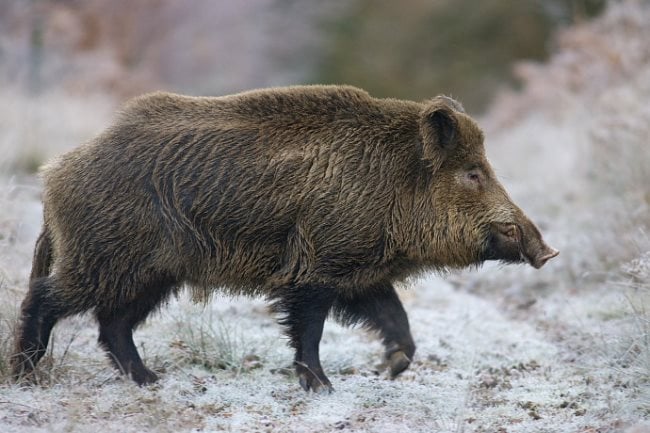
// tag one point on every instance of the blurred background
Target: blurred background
(408, 49)
(69, 52)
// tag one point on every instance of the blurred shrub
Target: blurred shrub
(124, 47)
(411, 48)
(415, 49)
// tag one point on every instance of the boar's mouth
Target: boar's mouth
(515, 243)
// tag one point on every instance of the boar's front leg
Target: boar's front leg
(305, 308)
(380, 309)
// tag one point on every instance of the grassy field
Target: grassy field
(502, 349)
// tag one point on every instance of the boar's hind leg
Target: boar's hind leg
(380, 309)
(305, 309)
(116, 325)
(39, 313)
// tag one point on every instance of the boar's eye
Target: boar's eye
(474, 177)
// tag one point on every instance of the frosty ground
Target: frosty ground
(520, 367)
(500, 349)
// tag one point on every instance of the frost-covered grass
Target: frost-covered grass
(562, 349)
(477, 369)
(634, 351)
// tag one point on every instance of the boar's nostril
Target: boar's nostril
(552, 253)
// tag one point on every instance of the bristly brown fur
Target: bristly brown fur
(299, 193)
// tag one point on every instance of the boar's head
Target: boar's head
(472, 218)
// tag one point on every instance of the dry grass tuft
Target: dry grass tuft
(213, 344)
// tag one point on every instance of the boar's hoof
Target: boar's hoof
(397, 362)
(144, 376)
(310, 381)
(318, 386)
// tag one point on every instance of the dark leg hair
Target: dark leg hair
(380, 309)
(116, 325)
(305, 308)
(39, 313)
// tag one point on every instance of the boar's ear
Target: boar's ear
(438, 130)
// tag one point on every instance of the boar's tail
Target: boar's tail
(42, 261)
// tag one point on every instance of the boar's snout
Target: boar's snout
(546, 254)
(517, 243)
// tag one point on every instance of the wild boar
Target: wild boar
(319, 198)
